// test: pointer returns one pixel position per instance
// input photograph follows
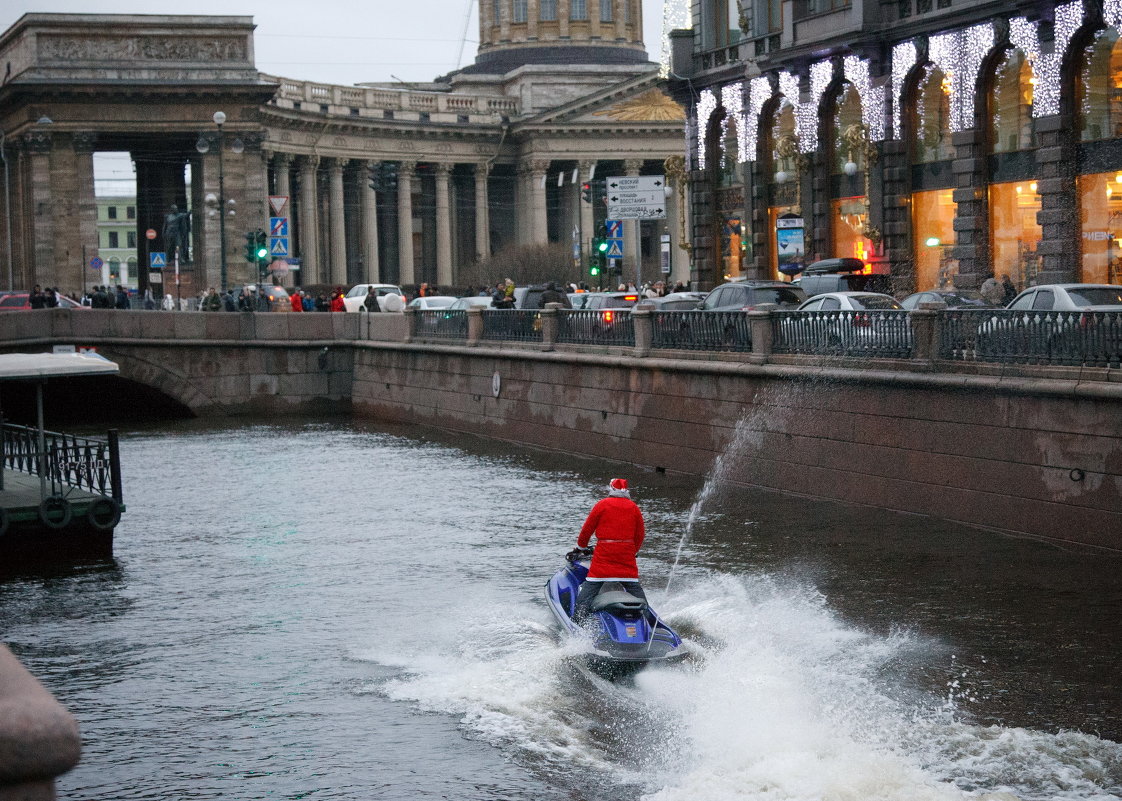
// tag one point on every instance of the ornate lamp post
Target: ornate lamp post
(237, 146)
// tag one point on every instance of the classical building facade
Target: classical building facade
(386, 183)
(939, 141)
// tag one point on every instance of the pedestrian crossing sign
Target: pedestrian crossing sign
(159, 260)
(278, 246)
(615, 249)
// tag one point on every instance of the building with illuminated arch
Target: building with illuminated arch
(939, 141)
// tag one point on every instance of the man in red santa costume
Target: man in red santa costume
(618, 525)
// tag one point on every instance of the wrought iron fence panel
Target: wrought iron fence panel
(70, 461)
(871, 333)
(442, 323)
(1075, 338)
(958, 332)
(701, 330)
(516, 325)
(596, 327)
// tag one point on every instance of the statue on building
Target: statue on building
(177, 234)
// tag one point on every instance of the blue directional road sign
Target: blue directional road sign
(278, 246)
(159, 260)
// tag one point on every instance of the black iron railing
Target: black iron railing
(1075, 338)
(883, 333)
(442, 324)
(92, 465)
(596, 327)
(517, 325)
(701, 330)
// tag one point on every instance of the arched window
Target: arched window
(730, 152)
(1099, 91)
(930, 118)
(1011, 104)
(784, 173)
(846, 126)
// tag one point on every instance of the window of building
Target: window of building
(930, 118)
(387, 114)
(548, 10)
(822, 6)
(425, 116)
(1014, 232)
(1011, 104)
(114, 269)
(1099, 88)
(933, 216)
(784, 195)
(130, 212)
(731, 172)
(578, 9)
(114, 239)
(111, 211)
(518, 11)
(496, 11)
(722, 23)
(605, 10)
(130, 239)
(847, 127)
(1100, 212)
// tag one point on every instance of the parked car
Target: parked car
(675, 301)
(432, 302)
(864, 325)
(954, 298)
(20, 301)
(470, 302)
(532, 297)
(390, 297)
(841, 275)
(275, 296)
(747, 295)
(1036, 330)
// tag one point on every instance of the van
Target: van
(841, 275)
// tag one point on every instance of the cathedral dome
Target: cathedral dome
(517, 32)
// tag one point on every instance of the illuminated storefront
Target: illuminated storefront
(785, 181)
(932, 202)
(1100, 194)
(1014, 231)
(933, 231)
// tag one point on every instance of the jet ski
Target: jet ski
(627, 635)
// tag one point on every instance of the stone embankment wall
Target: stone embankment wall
(1023, 456)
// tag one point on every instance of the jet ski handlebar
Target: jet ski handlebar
(578, 553)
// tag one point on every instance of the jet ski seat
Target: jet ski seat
(612, 594)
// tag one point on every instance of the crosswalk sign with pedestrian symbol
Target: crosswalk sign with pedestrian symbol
(159, 260)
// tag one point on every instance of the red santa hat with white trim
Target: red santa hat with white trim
(617, 488)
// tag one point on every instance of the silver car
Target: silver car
(1056, 323)
(868, 323)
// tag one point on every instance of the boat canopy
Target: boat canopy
(24, 366)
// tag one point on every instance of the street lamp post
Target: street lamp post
(237, 147)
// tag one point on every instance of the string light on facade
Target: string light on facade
(806, 116)
(904, 57)
(759, 92)
(706, 105)
(1025, 36)
(675, 16)
(1112, 13)
(959, 54)
(872, 96)
(732, 98)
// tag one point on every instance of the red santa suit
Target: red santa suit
(618, 525)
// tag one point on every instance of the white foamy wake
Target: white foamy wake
(784, 703)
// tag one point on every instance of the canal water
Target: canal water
(336, 610)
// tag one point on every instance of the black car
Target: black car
(747, 295)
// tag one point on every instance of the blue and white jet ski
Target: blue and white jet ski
(627, 634)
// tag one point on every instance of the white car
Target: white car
(390, 297)
(861, 321)
(432, 302)
(1066, 323)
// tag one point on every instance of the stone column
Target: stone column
(972, 247)
(593, 8)
(405, 221)
(563, 12)
(282, 163)
(338, 242)
(619, 15)
(309, 221)
(632, 259)
(539, 221)
(37, 145)
(897, 227)
(84, 144)
(504, 20)
(1056, 184)
(482, 213)
(443, 226)
(372, 269)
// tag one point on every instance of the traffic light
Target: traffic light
(594, 266)
(261, 247)
(586, 192)
(383, 176)
(251, 246)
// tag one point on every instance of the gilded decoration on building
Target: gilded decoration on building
(651, 105)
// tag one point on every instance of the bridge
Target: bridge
(1030, 444)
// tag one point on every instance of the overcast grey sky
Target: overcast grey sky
(340, 42)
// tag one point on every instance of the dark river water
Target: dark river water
(334, 610)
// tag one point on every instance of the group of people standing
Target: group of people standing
(104, 297)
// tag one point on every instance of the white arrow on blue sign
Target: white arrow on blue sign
(159, 260)
(278, 226)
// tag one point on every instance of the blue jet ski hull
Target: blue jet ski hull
(627, 636)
